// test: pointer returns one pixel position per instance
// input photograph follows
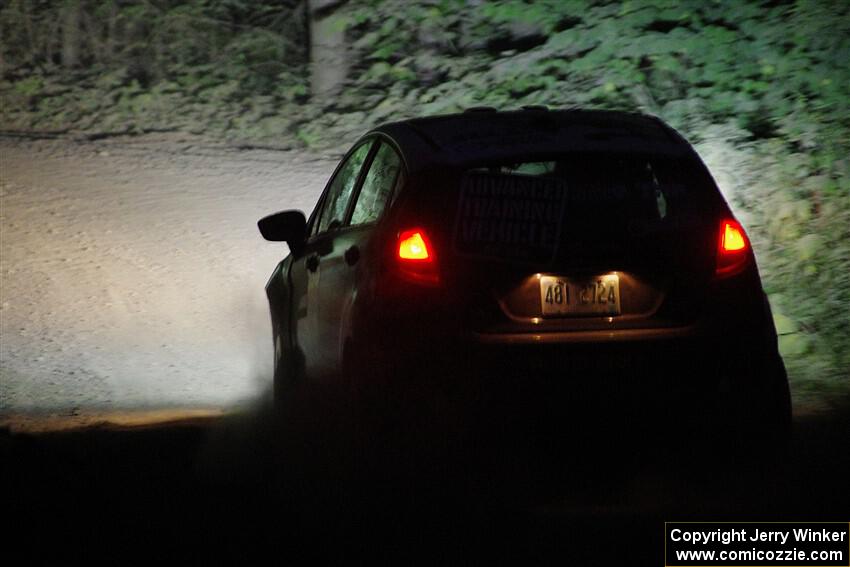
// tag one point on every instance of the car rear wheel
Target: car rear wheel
(388, 429)
(364, 388)
(756, 421)
(288, 379)
(769, 420)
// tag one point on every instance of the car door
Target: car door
(320, 254)
(348, 258)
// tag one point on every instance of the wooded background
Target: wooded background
(762, 88)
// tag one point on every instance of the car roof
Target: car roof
(482, 135)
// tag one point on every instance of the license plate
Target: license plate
(592, 296)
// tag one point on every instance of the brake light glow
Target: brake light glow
(733, 248)
(412, 246)
(733, 237)
(415, 257)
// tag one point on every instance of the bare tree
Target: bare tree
(71, 34)
(328, 57)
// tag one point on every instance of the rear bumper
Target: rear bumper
(655, 382)
(719, 365)
(578, 337)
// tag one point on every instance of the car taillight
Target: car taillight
(733, 251)
(415, 256)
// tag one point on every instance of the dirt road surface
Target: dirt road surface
(132, 271)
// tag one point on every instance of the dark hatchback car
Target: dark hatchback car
(559, 261)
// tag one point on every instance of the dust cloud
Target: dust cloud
(132, 273)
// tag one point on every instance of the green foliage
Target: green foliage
(796, 206)
(29, 87)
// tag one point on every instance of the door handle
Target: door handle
(313, 262)
(352, 255)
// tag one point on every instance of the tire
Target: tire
(358, 389)
(288, 380)
(777, 425)
(377, 424)
(763, 416)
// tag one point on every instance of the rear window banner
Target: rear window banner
(509, 216)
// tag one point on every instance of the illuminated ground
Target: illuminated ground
(132, 272)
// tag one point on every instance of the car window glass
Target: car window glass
(634, 185)
(339, 193)
(529, 210)
(378, 186)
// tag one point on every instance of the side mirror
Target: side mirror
(285, 226)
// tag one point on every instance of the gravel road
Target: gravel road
(132, 272)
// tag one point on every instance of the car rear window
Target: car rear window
(521, 209)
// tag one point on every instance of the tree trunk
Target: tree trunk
(328, 57)
(2, 59)
(71, 34)
(113, 42)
